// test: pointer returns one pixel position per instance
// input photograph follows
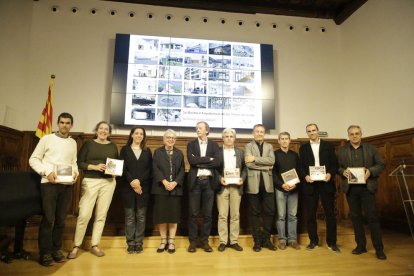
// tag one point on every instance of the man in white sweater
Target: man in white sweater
(54, 158)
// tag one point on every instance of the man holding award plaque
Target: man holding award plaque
(360, 165)
(54, 158)
(260, 158)
(319, 165)
(230, 176)
(286, 179)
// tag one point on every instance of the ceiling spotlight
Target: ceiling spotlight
(307, 29)
(223, 21)
(240, 22)
(258, 24)
(168, 16)
(75, 9)
(323, 29)
(205, 19)
(186, 18)
(274, 25)
(150, 15)
(291, 27)
(113, 12)
(93, 11)
(131, 14)
(55, 9)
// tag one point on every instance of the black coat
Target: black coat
(198, 162)
(327, 158)
(134, 168)
(161, 171)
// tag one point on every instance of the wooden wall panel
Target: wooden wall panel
(396, 147)
(11, 146)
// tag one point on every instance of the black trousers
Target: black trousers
(55, 202)
(328, 204)
(360, 199)
(201, 199)
(258, 201)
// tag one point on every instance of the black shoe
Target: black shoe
(236, 247)
(312, 246)
(58, 257)
(130, 249)
(257, 247)
(269, 245)
(207, 247)
(138, 248)
(21, 255)
(46, 260)
(192, 248)
(163, 246)
(359, 251)
(381, 255)
(221, 247)
(171, 247)
(334, 248)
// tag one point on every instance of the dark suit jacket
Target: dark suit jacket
(239, 164)
(161, 171)
(327, 158)
(373, 161)
(134, 168)
(196, 161)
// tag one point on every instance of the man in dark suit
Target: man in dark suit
(259, 158)
(202, 156)
(360, 197)
(319, 153)
(230, 190)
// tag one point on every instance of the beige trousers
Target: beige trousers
(99, 191)
(230, 198)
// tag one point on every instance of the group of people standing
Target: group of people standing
(220, 174)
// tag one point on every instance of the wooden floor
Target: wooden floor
(398, 247)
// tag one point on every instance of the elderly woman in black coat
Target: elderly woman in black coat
(167, 188)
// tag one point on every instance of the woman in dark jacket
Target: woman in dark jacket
(135, 187)
(167, 187)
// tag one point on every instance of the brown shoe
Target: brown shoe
(282, 245)
(74, 253)
(95, 250)
(294, 245)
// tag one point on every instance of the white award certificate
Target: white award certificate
(356, 176)
(317, 173)
(63, 174)
(290, 177)
(114, 166)
(232, 176)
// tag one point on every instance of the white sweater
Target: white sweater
(53, 150)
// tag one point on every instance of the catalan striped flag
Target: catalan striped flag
(45, 123)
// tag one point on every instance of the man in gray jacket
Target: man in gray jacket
(259, 158)
(360, 191)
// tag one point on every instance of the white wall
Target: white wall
(378, 66)
(78, 49)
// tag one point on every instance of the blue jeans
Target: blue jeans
(287, 203)
(135, 209)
